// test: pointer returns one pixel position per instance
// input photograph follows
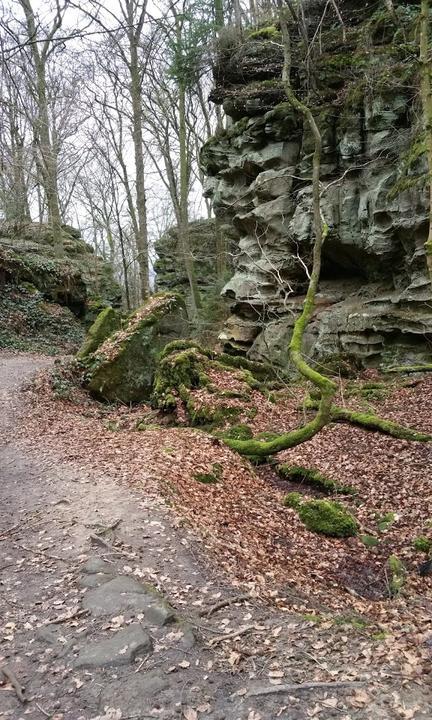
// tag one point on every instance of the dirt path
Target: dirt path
(102, 600)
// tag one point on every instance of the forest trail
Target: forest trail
(103, 603)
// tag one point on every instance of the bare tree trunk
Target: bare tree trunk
(426, 100)
(135, 90)
(48, 158)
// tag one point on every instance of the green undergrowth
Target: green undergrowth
(29, 323)
(422, 544)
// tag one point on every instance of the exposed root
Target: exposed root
(409, 368)
(374, 422)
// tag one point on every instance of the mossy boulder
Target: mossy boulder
(327, 518)
(123, 367)
(186, 367)
(106, 323)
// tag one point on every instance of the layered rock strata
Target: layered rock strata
(374, 301)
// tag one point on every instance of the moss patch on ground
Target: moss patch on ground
(323, 516)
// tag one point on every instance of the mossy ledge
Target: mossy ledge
(106, 323)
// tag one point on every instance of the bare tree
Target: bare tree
(40, 49)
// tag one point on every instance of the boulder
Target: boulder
(123, 367)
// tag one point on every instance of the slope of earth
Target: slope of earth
(80, 484)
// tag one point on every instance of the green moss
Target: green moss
(178, 371)
(107, 322)
(210, 416)
(327, 518)
(373, 422)
(238, 432)
(210, 478)
(309, 617)
(314, 478)
(356, 622)
(384, 522)
(369, 540)
(123, 367)
(422, 544)
(265, 33)
(292, 500)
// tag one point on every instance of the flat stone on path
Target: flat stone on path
(97, 565)
(119, 649)
(121, 593)
(92, 581)
(125, 593)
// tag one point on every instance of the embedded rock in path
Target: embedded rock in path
(120, 649)
(97, 565)
(124, 593)
(122, 369)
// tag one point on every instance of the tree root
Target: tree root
(258, 448)
(374, 422)
(294, 687)
(409, 368)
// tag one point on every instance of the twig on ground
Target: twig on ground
(206, 612)
(41, 552)
(9, 531)
(142, 663)
(67, 616)
(293, 687)
(235, 634)
(44, 712)
(10, 675)
(100, 541)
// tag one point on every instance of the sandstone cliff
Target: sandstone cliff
(374, 300)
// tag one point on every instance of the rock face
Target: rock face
(123, 367)
(374, 295)
(44, 298)
(213, 267)
(79, 279)
(169, 267)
